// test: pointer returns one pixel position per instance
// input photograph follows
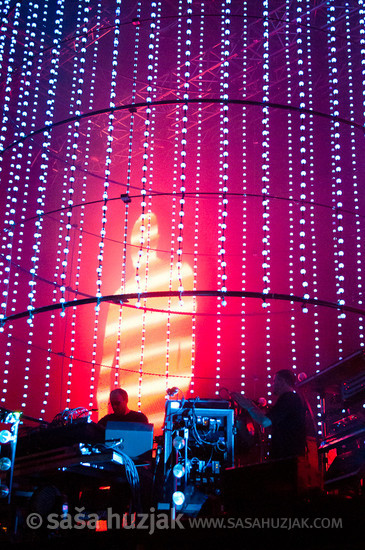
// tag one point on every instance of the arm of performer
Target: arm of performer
(253, 410)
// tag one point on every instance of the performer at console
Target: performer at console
(287, 417)
(121, 413)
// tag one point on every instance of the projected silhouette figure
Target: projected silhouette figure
(152, 343)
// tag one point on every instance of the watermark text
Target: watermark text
(156, 520)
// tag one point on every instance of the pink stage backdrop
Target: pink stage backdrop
(202, 161)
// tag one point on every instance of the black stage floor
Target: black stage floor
(320, 523)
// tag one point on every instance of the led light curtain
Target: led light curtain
(182, 202)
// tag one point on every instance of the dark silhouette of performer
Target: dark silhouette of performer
(287, 417)
(121, 412)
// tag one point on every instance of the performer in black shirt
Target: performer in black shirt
(121, 412)
(287, 417)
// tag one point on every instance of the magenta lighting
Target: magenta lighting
(181, 198)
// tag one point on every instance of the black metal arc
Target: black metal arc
(203, 194)
(123, 298)
(133, 107)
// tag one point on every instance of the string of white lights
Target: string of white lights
(311, 174)
(10, 65)
(147, 122)
(336, 170)
(355, 152)
(148, 169)
(307, 63)
(223, 177)
(41, 205)
(127, 190)
(244, 190)
(7, 239)
(293, 342)
(151, 231)
(186, 44)
(183, 142)
(175, 230)
(88, 99)
(245, 44)
(105, 197)
(175, 171)
(303, 148)
(11, 198)
(265, 181)
(5, 22)
(312, 208)
(72, 150)
(31, 94)
(53, 79)
(33, 62)
(67, 199)
(52, 90)
(16, 181)
(198, 176)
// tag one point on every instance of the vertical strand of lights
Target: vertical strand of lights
(7, 239)
(244, 191)
(336, 184)
(147, 122)
(179, 167)
(303, 150)
(127, 189)
(293, 350)
(223, 184)
(17, 177)
(312, 211)
(30, 92)
(88, 99)
(10, 209)
(355, 150)
(183, 151)
(5, 22)
(53, 79)
(183, 144)
(312, 208)
(105, 197)
(265, 180)
(8, 236)
(361, 12)
(69, 176)
(177, 138)
(72, 152)
(151, 178)
(10, 63)
(147, 166)
(42, 189)
(67, 207)
(154, 83)
(197, 197)
(179, 162)
(13, 188)
(361, 4)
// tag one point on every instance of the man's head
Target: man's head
(284, 380)
(119, 401)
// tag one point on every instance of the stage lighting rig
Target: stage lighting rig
(9, 425)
